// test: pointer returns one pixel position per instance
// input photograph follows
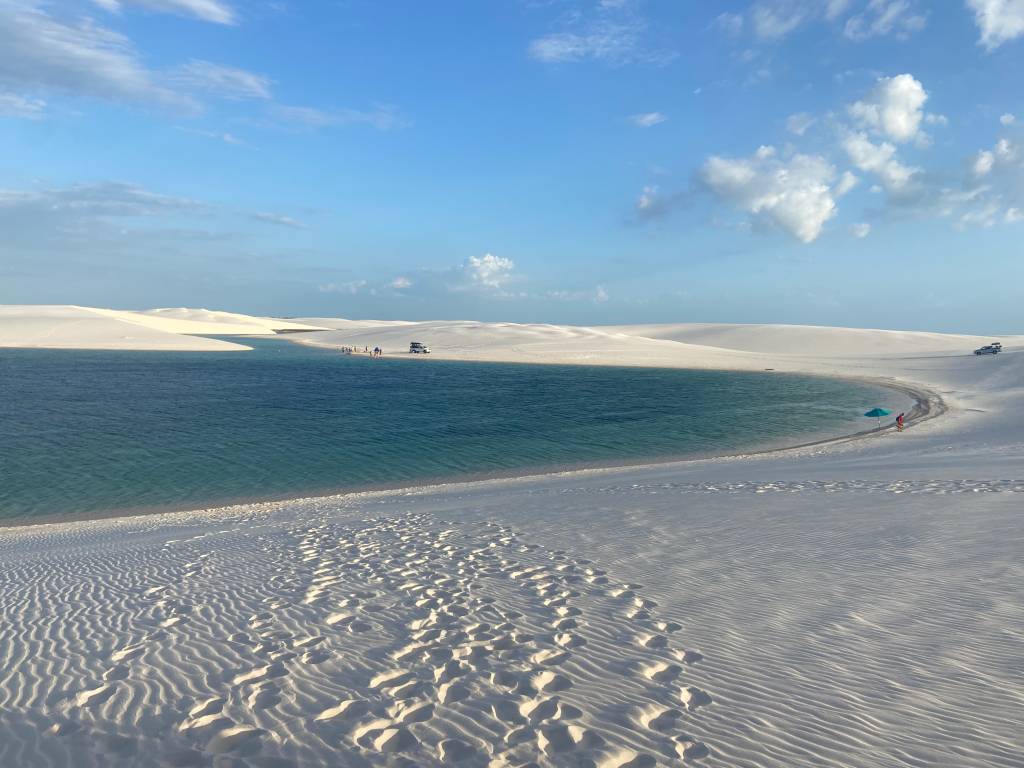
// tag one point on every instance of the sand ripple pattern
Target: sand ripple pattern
(293, 635)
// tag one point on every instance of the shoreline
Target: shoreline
(927, 405)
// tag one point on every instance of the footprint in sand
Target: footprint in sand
(93, 697)
(349, 709)
(661, 672)
(693, 697)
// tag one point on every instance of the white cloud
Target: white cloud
(13, 105)
(999, 21)
(647, 119)
(603, 41)
(729, 23)
(600, 294)
(205, 10)
(885, 17)
(794, 195)
(860, 230)
(105, 199)
(846, 183)
(350, 287)
(489, 270)
(383, 117)
(610, 32)
(799, 123)
(279, 219)
(1005, 149)
(879, 159)
(894, 108)
(227, 138)
(983, 163)
(38, 50)
(1007, 119)
(1013, 215)
(648, 198)
(400, 283)
(226, 82)
(773, 21)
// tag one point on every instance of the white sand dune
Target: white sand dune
(853, 604)
(67, 327)
(70, 327)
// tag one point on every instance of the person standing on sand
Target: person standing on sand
(899, 422)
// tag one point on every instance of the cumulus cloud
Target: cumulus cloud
(647, 119)
(383, 117)
(794, 195)
(879, 159)
(894, 108)
(226, 82)
(846, 183)
(488, 270)
(860, 230)
(999, 21)
(648, 198)
(885, 17)
(983, 163)
(1007, 119)
(38, 50)
(205, 10)
(400, 283)
(13, 105)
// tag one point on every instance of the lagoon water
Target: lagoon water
(84, 432)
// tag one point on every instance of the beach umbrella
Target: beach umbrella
(878, 413)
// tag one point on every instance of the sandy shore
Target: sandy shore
(854, 603)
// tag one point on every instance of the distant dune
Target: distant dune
(71, 327)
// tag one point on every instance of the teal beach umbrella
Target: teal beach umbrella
(878, 413)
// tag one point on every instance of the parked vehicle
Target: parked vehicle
(418, 348)
(988, 349)
(998, 345)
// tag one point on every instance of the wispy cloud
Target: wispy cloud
(647, 119)
(612, 32)
(38, 50)
(205, 10)
(13, 105)
(279, 219)
(222, 81)
(383, 117)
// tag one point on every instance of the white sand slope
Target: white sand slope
(853, 604)
(70, 327)
(67, 327)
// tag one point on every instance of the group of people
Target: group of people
(375, 352)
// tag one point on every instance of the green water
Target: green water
(86, 432)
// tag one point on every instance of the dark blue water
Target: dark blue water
(87, 432)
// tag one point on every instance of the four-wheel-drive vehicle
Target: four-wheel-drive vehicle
(418, 348)
(988, 349)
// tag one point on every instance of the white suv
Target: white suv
(418, 348)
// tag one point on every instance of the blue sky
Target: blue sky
(855, 162)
